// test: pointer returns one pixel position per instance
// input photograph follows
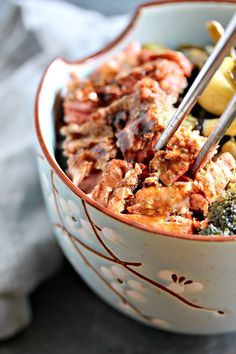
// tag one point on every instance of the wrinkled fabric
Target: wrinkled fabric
(31, 34)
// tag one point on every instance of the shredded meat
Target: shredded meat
(152, 179)
(137, 119)
(199, 203)
(112, 121)
(124, 189)
(146, 115)
(85, 96)
(166, 72)
(119, 75)
(118, 64)
(178, 57)
(113, 174)
(213, 179)
(88, 154)
(180, 152)
(162, 201)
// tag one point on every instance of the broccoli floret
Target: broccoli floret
(212, 230)
(222, 214)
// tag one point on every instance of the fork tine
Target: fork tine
(218, 132)
(222, 48)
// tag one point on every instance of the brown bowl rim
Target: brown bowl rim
(66, 179)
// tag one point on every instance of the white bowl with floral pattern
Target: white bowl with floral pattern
(181, 283)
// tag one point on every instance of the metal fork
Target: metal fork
(218, 132)
(222, 48)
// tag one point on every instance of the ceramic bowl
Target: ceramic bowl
(180, 283)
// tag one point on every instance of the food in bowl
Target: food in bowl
(113, 119)
(168, 280)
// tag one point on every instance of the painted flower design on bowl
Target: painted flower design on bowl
(47, 191)
(123, 283)
(110, 235)
(179, 283)
(72, 214)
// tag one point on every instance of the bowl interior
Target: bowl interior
(170, 24)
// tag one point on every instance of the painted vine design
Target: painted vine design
(79, 245)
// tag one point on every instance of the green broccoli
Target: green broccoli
(222, 214)
(210, 230)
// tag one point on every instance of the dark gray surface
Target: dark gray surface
(70, 319)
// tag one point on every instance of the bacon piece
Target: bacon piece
(213, 179)
(113, 174)
(162, 201)
(178, 155)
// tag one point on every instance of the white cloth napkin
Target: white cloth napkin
(32, 33)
